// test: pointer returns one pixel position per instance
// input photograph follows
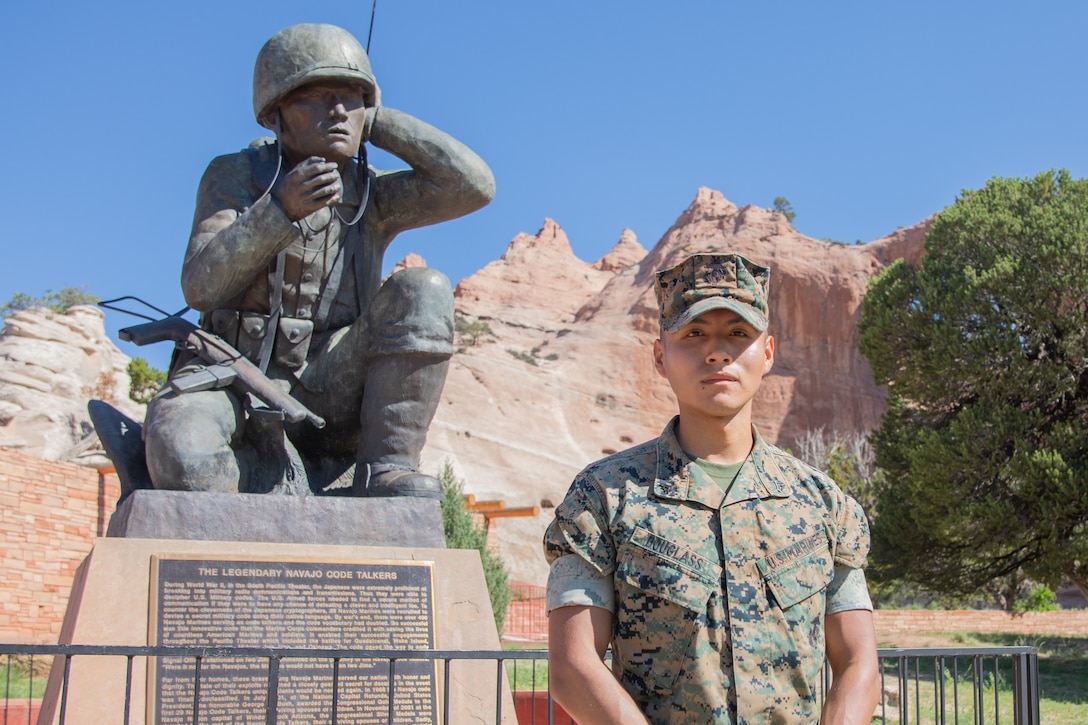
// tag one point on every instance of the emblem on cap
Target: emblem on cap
(705, 282)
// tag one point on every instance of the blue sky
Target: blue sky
(600, 115)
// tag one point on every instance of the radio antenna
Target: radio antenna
(370, 34)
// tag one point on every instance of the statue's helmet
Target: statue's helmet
(304, 54)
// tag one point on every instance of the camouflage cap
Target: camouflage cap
(704, 282)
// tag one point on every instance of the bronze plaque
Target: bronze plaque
(292, 604)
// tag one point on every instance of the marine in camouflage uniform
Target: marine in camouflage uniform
(717, 589)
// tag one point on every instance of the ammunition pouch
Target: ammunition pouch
(246, 331)
(293, 337)
(223, 323)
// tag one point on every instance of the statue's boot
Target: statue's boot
(399, 401)
(270, 464)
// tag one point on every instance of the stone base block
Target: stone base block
(202, 516)
(111, 604)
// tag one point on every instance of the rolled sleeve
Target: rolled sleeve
(578, 545)
(848, 591)
(573, 581)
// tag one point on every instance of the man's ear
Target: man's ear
(768, 352)
(659, 357)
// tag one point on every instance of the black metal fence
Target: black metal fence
(976, 685)
(970, 685)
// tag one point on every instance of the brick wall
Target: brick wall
(50, 515)
(526, 621)
(1067, 622)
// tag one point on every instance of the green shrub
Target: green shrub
(1040, 599)
(144, 380)
(471, 332)
(463, 533)
(782, 206)
(527, 357)
(58, 302)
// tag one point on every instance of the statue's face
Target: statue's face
(323, 119)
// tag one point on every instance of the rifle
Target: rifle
(225, 366)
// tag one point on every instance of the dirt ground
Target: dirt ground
(911, 640)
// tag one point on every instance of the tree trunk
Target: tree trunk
(1079, 576)
(1005, 591)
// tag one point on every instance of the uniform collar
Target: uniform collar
(352, 177)
(679, 477)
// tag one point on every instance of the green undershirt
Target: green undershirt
(722, 474)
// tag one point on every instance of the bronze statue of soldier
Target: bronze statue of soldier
(284, 263)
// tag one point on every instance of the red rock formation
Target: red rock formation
(567, 374)
(537, 282)
(411, 260)
(50, 365)
(626, 252)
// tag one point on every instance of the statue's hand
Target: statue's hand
(371, 113)
(313, 184)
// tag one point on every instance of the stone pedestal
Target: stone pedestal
(403, 521)
(113, 594)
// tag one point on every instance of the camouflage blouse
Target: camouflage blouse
(719, 596)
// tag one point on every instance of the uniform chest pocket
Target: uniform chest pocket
(662, 593)
(798, 571)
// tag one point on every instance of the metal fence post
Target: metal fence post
(272, 706)
(1025, 691)
(917, 673)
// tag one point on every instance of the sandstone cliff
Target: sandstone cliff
(567, 374)
(50, 366)
(553, 367)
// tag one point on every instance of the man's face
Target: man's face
(714, 364)
(323, 119)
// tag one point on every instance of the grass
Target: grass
(1063, 678)
(526, 674)
(1063, 675)
(1063, 681)
(16, 682)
